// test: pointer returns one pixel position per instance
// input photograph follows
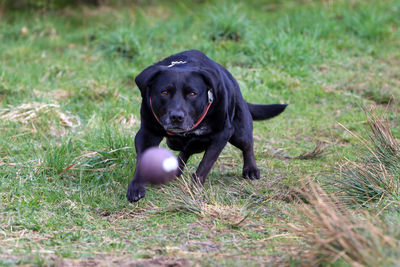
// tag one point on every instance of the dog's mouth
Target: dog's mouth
(176, 130)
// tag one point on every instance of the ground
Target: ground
(69, 111)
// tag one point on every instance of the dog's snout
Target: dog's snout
(177, 116)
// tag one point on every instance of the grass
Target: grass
(376, 178)
(69, 111)
(334, 234)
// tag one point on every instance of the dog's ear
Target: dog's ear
(211, 78)
(144, 78)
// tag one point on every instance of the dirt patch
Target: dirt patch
(111, 261)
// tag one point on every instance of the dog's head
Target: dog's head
(178, 95)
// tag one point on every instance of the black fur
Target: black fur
(178, 88)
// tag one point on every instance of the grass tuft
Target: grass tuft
(210, 201)
(335, 234)
(227, 23)
(376, 177)
(121, 42)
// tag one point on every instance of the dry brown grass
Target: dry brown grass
(33, 113)
(332, 232)
(317, 152)
(209, 201)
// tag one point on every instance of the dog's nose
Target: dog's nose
(177, 116)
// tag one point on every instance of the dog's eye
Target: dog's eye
(192, 94)
(164, 93)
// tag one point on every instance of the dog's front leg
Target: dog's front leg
(143, 140)
(210, 157)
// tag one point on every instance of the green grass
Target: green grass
(69, 111)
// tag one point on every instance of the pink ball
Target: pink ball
(157, 165)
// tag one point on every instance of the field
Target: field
(69, 111)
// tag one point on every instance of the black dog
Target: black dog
(197, 105)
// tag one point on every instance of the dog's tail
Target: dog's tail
(263, 112)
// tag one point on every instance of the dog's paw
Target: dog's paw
(136, 191)
(251, 173)
(198, 180)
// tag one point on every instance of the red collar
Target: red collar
(203, 115)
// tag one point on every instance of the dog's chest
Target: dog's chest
(202, 130)
(194, 144)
